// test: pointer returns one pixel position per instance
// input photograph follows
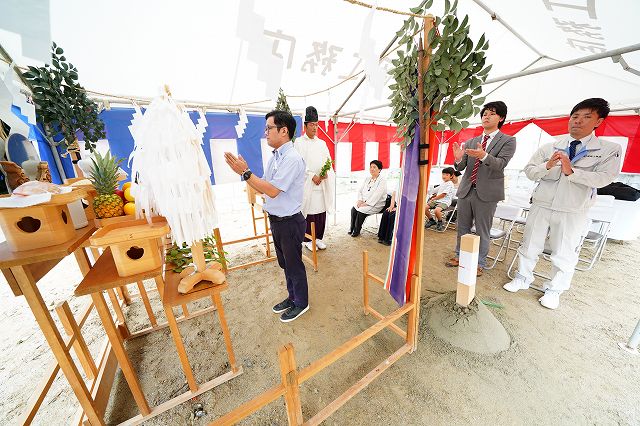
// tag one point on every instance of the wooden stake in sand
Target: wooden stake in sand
(467, 270)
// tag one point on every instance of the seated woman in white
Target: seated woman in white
(372, 196)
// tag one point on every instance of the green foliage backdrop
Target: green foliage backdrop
(453, 80)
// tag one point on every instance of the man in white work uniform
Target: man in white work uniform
(568, 173)
(318, 190)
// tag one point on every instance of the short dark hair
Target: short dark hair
(283, 119)
(599, 105)
(378, 163)
(449, 170)
(499, 108)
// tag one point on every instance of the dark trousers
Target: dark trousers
(385, 230)
(357, 219)
(287, 238)
(320, 220)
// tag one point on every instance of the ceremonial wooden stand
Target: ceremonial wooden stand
(23, 270)
(106, 275)
(292, 377)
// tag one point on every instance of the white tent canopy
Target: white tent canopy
(132, 48)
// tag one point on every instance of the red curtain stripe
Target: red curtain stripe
(626, 126)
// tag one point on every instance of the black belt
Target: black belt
(274, 218)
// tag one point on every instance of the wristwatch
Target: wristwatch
(246, 174)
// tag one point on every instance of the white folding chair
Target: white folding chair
(448, 215)
(601, 216)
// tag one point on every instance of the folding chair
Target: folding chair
(507, 216)
(546, 254)
(601, 217)
(449, 214)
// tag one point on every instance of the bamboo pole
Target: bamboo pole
(424, 56)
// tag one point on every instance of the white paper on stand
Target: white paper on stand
(17, 201)
(468, 269)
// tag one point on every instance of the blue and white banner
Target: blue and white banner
(220, 137)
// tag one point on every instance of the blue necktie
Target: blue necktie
(572, 149)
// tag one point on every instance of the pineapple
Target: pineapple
(104, 177)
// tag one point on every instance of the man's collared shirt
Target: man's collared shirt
(492, 136)
(285, 171)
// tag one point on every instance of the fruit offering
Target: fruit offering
(130, 208)
(104, 177)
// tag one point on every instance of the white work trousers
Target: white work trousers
(564, 231)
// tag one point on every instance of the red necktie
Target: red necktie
(476, 166)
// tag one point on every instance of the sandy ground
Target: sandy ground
(562, 367)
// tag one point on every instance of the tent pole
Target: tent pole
(504, 23)
(506, 81)
(384, 52)
(335, 181)
(584, 59)
(564, 64)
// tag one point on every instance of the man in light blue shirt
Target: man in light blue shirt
(283, 185)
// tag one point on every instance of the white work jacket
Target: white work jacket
(596, 164)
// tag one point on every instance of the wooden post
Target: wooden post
(467, 270)
(54, 339)
(365, 281)
(147, 305)
(118, 347)
(125, 294)
(289, 375)
(79, 345)
(217, 300)
(197, 251)
(426, 152)
(266, 233)
(220, 248)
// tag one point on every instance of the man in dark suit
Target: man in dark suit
(483, 160)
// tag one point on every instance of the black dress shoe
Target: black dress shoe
(355, 234)
(386, 243)
(350, 232)
(381, 241)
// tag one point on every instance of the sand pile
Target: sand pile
(473, 328)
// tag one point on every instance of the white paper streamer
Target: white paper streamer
(242, 123)
(171, 170)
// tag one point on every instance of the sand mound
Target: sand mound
(473, 329)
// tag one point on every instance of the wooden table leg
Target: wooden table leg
(182, 353)
(80, 346)
(125, 294)
(54, 339)
(118, 347)
(147, 305)
(225, 331)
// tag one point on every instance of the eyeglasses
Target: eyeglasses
(266, 129)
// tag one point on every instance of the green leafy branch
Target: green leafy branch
(62, 105)
(181, 257)
(453, 80)
(283, 105)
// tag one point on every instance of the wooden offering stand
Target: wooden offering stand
(118, 266)
(42, 225)
(135, 244)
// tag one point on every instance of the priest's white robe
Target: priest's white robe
(317, 198)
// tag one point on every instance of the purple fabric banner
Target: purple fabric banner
(397, 271)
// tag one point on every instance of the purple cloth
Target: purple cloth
(320, 220)
(396, 282)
